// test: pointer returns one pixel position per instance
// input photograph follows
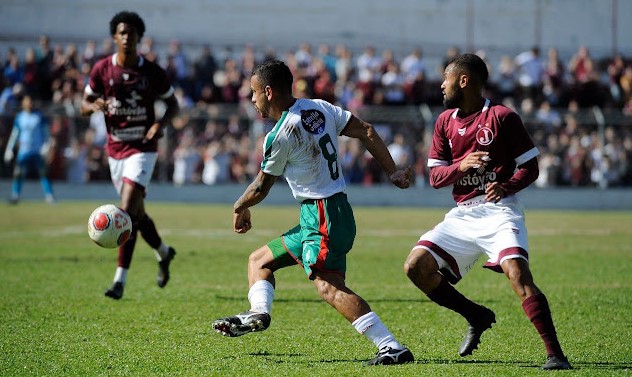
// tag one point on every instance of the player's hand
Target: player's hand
(153, 133)
(493, 192)
(99, 105)
(8, 155)
(241, 221)
(474, 160)
(402, 178)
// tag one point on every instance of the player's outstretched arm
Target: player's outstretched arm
(359, 129)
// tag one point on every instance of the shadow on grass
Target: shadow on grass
(280, 358)
(525, 364)
(369, 299)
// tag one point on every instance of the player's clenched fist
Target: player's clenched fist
(402, 178)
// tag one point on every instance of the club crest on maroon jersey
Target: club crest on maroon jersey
(484, 135)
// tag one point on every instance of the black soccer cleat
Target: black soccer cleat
(556, 363)
(242, 323)
(474, 331)
(115, 291)
(163, 268)
(389, 356)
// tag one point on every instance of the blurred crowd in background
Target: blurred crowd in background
(578, 110)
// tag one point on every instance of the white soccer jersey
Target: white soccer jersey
(303, 146)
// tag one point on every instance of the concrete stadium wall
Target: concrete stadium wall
(532, 198)
(509, 26)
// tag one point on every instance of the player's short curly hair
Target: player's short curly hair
(473, 65)
(130, 18)
(275, 74)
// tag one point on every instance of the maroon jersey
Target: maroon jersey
(495, 129)
(130, 94)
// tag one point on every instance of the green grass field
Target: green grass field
(55, 321)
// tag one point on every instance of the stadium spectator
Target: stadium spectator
(585, 84)
(31, 137)
(148, 50)
(413, 68)
(216, 161)
(486, 166)
(615, 70)
(505, 78)
(125, 87)
(400, 151)
(177, 61)
(10, 98)
(324, 237)
(324, 53)
(393, 83)
(30, 79)
(553, 85)
(13, 70)
(64, 91)
(186, 160)
(344, 65)
(76, 155)
(204, 69)
(530, 74)
(370, 63)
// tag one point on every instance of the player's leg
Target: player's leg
(47, 187)
(333, 290)
(136, 176)
(536, 307)
(328, 233)
(129, 203)
(262, 264)
(164, 252)
(423, 269)
(20, 168)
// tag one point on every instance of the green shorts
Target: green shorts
(323, 238)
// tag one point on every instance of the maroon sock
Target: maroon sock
(126, 250)
(447, 296)
(149, 232)
(537, 310)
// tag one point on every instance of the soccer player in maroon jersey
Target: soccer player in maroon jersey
(125, 87)
(483, 150)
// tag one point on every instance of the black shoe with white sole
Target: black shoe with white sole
(389, 356)
(242, 323)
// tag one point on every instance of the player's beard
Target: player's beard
(451, 102)
(263, 109)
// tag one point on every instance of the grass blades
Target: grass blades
(54, 319)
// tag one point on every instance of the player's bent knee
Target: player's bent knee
(260, 258)
(418, 261)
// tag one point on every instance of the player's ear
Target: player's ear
(268, 91)
(464, 80)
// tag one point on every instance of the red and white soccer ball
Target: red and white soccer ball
(109, 226)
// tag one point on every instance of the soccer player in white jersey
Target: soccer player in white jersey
(483, 150)
(303, 147)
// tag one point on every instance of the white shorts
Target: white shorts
(136, 169)
(477, 228)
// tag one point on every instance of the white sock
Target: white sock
(120, 275)
(372, 327)
(260, 296)
(162, 251)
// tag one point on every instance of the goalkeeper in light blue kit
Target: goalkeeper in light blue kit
(303, 147)
(30, 134)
